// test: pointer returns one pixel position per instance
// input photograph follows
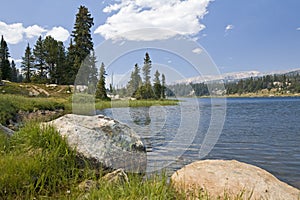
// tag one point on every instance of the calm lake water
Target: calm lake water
(261, 131)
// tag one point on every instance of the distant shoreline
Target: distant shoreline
(248, 95)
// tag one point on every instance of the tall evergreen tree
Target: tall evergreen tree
(55, 60)
(163, 86)
(14, 74)
(5, 67)
(71, 71)
(51, 51)
(93, 79)
(60, 69)
(101, 90)
(135, 81)
(83, 39)
(147, 69)
(40, 54)
(146, 91)
(28, 63)
(157, 85)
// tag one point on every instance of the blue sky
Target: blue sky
(239, 35)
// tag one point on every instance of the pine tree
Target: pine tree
(163, 86)
(5, 67)
(60, 69)
(39, 53)
(92, 73)
(28, 63)
(101, 90)
(135, 81)
(55, 60)
(157, 85)
(147, 69)
(51, 49)
(14, 75)
(70, 70)
(146, 91)
(93, 79)
(83, 40)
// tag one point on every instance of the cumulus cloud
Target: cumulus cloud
(229, 27)
(298, 29)
(12, 33)
(59, 33)
(16, 32)
(33, 31)
(197, 51)
(181, 17)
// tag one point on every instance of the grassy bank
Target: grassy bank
(37, 163)
(10, 105)
(133, 103)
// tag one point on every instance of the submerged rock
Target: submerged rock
(219, 178)
(105, 141)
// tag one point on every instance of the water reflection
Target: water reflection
(140, 116)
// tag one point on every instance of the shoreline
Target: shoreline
(248, 95)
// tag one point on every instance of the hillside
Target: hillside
(36, 90)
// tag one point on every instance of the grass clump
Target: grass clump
(153, 187)
(36, 162)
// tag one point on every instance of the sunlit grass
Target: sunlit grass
(11, 104)
(37, 163)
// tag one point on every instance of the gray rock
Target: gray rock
(6, 130)
(105, 141)
(232, 178)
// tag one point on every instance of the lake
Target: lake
(264, 132)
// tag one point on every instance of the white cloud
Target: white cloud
(33, 31)
(298, 29)
(181, 17)
(59, 33)
(16, 33)
(229, 27)
(197, 51)
(13, 33)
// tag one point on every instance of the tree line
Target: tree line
(278, 83)
(142, 88)
(49, 61)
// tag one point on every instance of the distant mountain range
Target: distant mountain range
(233, 76)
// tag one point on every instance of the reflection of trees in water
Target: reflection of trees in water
(140, 116)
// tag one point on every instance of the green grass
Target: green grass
(11, 104)
(134, 103)
(37, 163)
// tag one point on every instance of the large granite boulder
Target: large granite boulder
(220, 178)
(105, 141)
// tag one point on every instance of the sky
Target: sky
(237, 35)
